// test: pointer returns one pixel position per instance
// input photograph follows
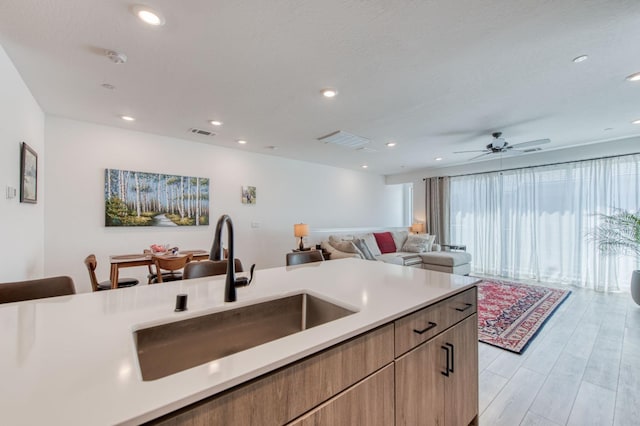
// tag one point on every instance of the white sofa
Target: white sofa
(427, 256)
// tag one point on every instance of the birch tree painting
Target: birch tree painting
(153, 199)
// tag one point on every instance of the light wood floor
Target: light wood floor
(583, 368)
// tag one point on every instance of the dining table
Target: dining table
(119, 261)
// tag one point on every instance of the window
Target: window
(534, 222)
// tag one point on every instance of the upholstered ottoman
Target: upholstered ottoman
(453, 262)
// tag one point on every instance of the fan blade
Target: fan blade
(525, 151)
(477, 150)
(481, 155)
(531, 143)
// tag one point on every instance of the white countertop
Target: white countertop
(71, 360)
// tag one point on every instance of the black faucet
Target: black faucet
(217, 254)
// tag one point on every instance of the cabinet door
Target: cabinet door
(369, 402)
(420, 385)
(437, 382)
(461, 386)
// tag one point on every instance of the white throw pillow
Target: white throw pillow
(399, 237)
(371, 243)
(362, 246)
(343, 245)
(418, 243)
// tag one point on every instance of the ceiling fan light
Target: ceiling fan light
(633, 77)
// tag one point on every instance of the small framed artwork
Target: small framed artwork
(248, 195)
(28, 175)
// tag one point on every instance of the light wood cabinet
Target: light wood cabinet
(437, 382)
(282, 396)
(392, 374)
(369, 402)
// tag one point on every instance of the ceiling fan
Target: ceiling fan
(499, 145)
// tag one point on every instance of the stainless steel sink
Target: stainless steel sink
(169, 348)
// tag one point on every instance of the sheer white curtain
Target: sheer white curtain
(533, 223)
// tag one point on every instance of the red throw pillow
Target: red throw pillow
(385, 242)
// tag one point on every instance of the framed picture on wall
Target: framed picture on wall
(248, 195)
(28, 175)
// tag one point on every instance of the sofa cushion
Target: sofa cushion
(385, 242)
(393, 258)
(446, 258)
(338, 254)
(364, 248)
(346, 246)
(399, 238)
(418, 243)
(371, 243)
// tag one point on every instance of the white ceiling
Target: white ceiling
(435, 76)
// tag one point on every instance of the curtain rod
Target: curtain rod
(542, 165)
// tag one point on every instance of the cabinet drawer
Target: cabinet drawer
(369, 402)
(281, 396)
(421, 326)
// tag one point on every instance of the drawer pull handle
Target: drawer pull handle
(429, 327)
(466, 306)
(446, 371)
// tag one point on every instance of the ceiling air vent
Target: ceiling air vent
(532, 150)
(201, 132)
(345, 139)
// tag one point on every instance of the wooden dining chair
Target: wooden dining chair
(36, 289)
(300, 257)
(91, 263)
(207, 268)
(171, 264)
(153, 271)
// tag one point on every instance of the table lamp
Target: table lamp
(417, 227)
(301, 230)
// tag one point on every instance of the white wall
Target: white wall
(21, 224)
(288, 192)
(595, 150)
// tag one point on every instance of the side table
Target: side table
(325, 254)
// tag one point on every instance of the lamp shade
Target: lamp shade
(300, 230)
(417, 227)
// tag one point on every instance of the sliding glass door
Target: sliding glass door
(534, 223)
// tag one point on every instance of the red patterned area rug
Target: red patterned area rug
(511, 314)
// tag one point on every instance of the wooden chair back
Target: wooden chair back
(300, 257)
(91, 263)
(170, 263)
(208, 268)
(36, 289)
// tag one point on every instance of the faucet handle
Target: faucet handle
(244, 281)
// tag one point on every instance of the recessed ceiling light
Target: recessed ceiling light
(608, 129)
(390, 144)
(580, 58)
(127, 118)
(271, 147)
(329, 93)
(149, 16)
(636, 122)
(242, 142)
(438, 158)
(633, 77)
(216, 123)
(364, 166)
(108, 86)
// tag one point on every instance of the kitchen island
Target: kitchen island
(72, 360)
